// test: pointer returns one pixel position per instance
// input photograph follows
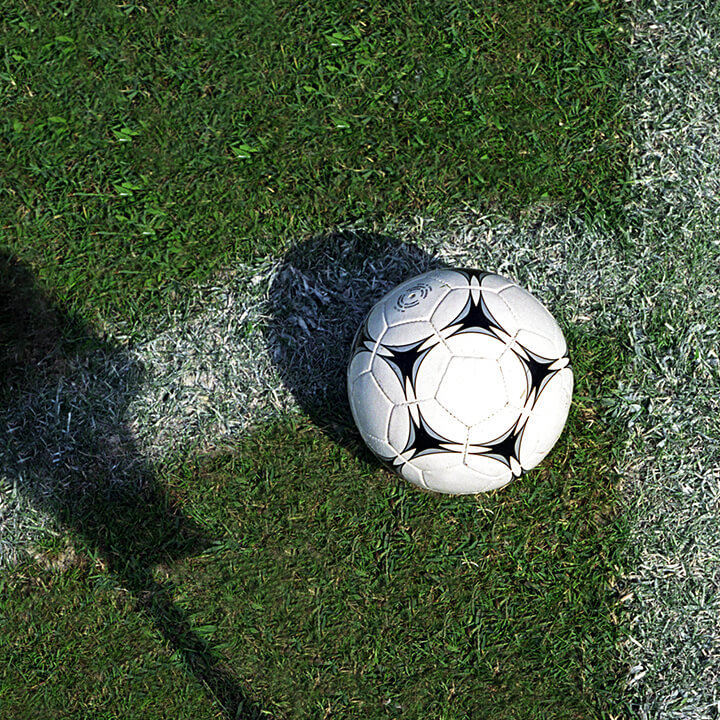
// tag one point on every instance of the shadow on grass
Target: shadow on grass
(70, 455)
(319, 297)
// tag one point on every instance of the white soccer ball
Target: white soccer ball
(460, 380)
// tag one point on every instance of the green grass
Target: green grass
(145, 148)
(294, 575)
(79, 649)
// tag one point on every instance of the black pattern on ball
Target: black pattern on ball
(424, 440)
(437, 420)
(406, 360)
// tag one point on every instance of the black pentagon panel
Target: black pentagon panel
(539, 370)
(405, 360)
(362, 338)
(471, 273)
(475, 317)
(424, 440)
(505, 448)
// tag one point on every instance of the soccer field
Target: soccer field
(198, 206)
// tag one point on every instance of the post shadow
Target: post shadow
(66, 447)
(319, 296)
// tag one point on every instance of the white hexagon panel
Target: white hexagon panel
(460, 380)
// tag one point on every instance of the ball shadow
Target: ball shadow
(66, 449)
(318, 299)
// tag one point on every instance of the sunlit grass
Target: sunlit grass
(146, 148)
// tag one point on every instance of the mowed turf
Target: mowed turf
(146, 147)
(321, 586)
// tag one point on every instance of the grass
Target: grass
(294, 576)
(671, 409)
(54, 669)
(146, 148)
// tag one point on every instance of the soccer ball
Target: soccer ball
(459, 380)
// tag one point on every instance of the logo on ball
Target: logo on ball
(412, 297)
